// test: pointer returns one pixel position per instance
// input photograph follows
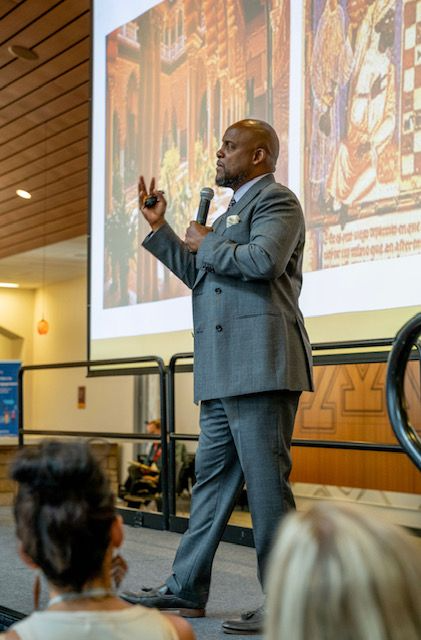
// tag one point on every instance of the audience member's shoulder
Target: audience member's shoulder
(9, 635)
(183, 628)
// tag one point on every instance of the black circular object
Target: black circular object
(150, 201)
(406, 338)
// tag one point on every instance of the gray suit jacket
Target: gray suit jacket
(249, 334)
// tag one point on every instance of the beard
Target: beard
(231, 181)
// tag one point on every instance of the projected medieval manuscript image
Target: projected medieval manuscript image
(177, 76)
(362, 131)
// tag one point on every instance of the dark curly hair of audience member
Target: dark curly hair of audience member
(64, 509)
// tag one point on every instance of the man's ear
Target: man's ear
(25, 558)
(259, 155)
(117, 533)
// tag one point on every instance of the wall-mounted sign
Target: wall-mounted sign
(9, 370)
(81, 397)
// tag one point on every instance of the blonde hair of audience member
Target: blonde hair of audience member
(68, 528)
(338, 574)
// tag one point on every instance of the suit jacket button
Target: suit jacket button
(218, 328)
(218, 290)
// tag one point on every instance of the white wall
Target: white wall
(10, 348)
(53, 398)
(16, 319)
(64, 307)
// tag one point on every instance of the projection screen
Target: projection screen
(340, 82)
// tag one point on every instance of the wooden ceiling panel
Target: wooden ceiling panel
(48, 111)
(20, 219)
(64, 169)
(77, 179)
(41, 75)
(6, 6)
(56, 17)
(50, 182)
(44, 123)
(50, 226)
(34, 152)
(65, 233)
(42, 94)
(47, 130)
(42, 222)
(40, 169)
(21, 15)
(18, 209)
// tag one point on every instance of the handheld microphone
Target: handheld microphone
(206, 195)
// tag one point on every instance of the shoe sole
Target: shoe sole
(184, 613)
(242, 632)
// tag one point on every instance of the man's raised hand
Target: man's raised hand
(153, 214)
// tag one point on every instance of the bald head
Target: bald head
(249, 149)
(262, 135)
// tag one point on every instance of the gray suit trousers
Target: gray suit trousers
(243, 439)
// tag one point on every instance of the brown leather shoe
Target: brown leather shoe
(250, 623)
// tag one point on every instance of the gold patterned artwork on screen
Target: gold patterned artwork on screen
(362, 130)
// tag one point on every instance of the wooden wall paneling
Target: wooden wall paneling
(349, 404)
(361, 469)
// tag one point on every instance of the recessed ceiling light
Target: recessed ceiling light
(9, 285)
(23, 194)
(22, 52)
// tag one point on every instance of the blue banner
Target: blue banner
(9, 397)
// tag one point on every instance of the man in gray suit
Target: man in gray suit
(252, 358)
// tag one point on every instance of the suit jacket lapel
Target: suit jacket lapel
(245, 200)
(220, 225)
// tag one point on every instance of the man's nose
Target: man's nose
(219, 153)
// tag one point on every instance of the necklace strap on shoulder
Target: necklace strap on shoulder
(69, 596)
